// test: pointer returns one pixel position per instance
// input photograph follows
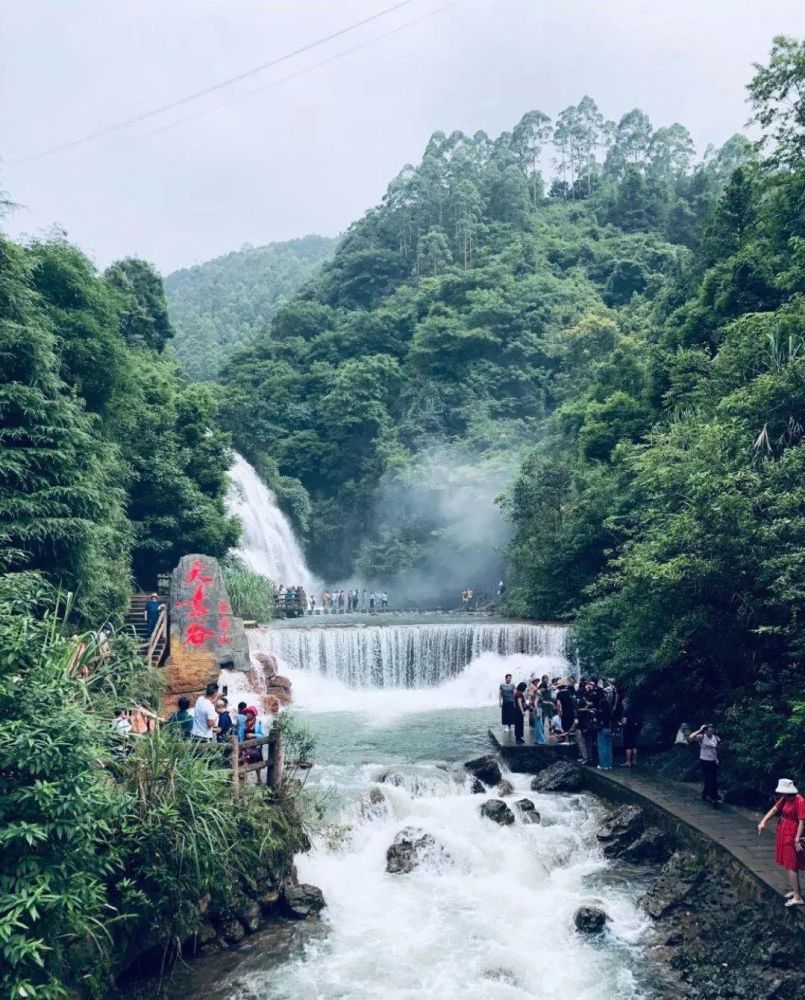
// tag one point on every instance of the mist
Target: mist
(439, 528)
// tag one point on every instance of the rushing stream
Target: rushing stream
(397, 705)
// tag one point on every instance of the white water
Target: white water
(268, 545)
(408, 656)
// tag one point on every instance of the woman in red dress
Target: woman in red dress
(790, 808)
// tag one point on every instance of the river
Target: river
(491, 914)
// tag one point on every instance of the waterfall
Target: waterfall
(406, 656)
(268, 545)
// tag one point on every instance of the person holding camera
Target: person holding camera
(790, 852)
(708, 742)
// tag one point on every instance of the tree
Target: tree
(631, 142)
(529, 137)
(144, 312)
(777, 95)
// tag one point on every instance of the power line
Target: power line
(211, 89)
(285, 79)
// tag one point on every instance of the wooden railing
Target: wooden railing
(153, 650)
(272, 764)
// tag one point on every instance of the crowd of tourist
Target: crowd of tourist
(585, 711)
(333, 602)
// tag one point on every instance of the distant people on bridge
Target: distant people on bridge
(506, 702)
(372, 600)
(708, 761)
(790, 845)
(153, 606)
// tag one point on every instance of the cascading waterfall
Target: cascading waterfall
(268, 545)
(406, 656)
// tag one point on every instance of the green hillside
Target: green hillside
(223, 304)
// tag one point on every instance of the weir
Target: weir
(409, 655)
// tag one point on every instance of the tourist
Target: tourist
(790, 849)
(557, 731)
(372, 603)
(586, 735)
(567, 706)
(151, 613)
(603, 711)
(632, 723)
(538, 709)
(312, 604)
(240, 721)
(519, 711)
(708, 759)
(253, 729)
(506, 702)
(365, 602)
(121, 723)
(545, 704)
(384, 600)
(223, 729)
(501, 588)
(205, 718)
(181, 721)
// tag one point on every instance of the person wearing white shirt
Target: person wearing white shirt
(205, 718)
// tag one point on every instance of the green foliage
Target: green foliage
(224, 304)
(104, 853)
(110, 463)
(251, 595)
(664, 505)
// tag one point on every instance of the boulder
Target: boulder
(269, 664)
(391, 778)
(651, 845)
(590, 920)
(620, 829)
(373, 805)
(497, 811)
(559, 777)
(303, 902)
(409, 849)
(248, 914)
(486, 769)
(268, 899)
(231, 930)
(505, 788)
(280, 688)
(477, 787)
(528, 811)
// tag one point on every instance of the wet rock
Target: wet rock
(408, 850)
(373, 805)
(678, 877)
(477, 787)
(231, 930)
(620, 829)
(590, 920)
(486, 768)
(528, 811)
(268, 899)
(651, 845)
(501, 975)
(249, 915)
(498, 812)
(505, 788)
(391, 778)
(559, 777)
(303, 902)
(269, 664)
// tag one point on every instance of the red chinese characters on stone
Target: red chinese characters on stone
(198, 609)
(224, 635)
(197, 634)
(196, 573)
(223, 608)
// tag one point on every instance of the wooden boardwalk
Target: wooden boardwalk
(729, 829)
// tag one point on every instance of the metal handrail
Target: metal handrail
(160, 632)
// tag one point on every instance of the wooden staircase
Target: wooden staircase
(155, 646)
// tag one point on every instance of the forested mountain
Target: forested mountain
(223, 304)
(111, 466)
(634, 338)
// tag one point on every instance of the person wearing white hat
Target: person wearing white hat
(790, 853)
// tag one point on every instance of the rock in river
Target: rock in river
(409, 849)
(498, 812)
(620, 829)
(486, 768)
(477, 787)
(303, 902)
(651, 845)
(559, 777)
(590, 920)
(528, 811)
(505, 788)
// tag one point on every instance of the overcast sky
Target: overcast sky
(311, 154)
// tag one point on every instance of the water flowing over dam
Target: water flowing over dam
(407, 655)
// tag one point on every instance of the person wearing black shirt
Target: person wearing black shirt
(567, 707)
